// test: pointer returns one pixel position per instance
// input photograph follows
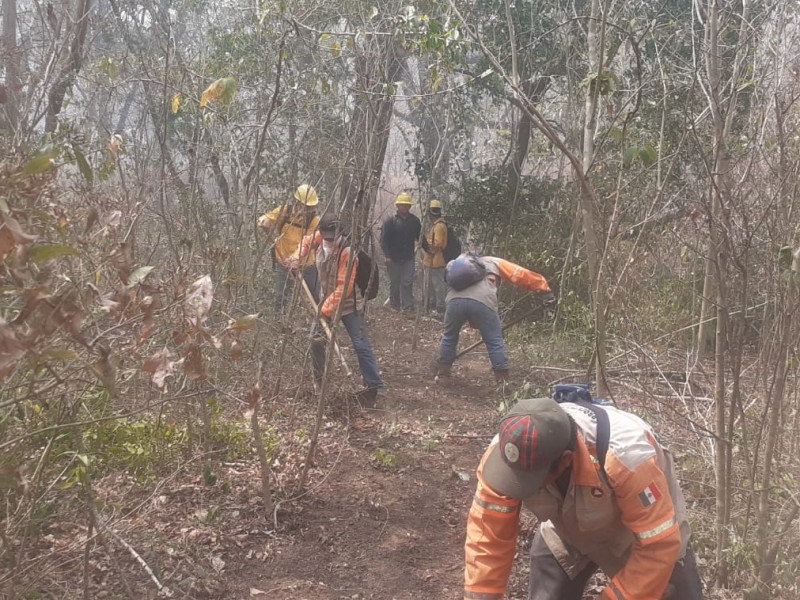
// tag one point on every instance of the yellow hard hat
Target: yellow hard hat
(435, 204)
(306, 194)
(404, 198)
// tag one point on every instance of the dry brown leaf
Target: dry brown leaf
(108, 304)
(11, 235)
(115, 145)
(148, 305)
(32, 296)
(162, 365)
(122, 260)
(106, 370)
(236, 350)
(11, 349)
(198, 300)
(193, 364)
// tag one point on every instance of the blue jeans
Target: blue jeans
(284, 285)
(367, 363)
(401, 284)
(460, 310)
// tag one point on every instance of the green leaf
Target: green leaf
(83, 165)
(138, 276)
(785, 257)
(38, 164)
(648, 156)
(56, 354)
(615, 133)
(228, 90)
(630, 154)
(45, 252)
(243, 323)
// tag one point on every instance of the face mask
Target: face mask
(327, 247)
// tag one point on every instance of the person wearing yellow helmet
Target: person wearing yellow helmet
(433, 261)
(290, 222)
(399, 238)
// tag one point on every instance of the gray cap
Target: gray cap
(533, 435)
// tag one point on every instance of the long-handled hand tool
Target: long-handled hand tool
(324, 324)
(511, 323)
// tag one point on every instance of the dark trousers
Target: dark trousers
(401, 284)
(548, 580)
(284, 285)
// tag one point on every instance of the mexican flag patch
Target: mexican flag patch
(649, 495)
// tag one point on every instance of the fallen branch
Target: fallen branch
(135, 555)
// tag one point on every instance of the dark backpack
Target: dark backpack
(578, 393)
(453, 247)
(463, 271)
(367, 278)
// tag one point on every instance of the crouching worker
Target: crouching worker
(332, 255)
(605, 493)
(472, 282)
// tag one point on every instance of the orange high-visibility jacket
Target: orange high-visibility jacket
(633, 524)
(497, 270)
(332, 269)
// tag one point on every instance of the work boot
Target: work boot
(443, 369)
(367, 397)
(501, 375)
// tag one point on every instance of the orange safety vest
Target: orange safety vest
(632, 524)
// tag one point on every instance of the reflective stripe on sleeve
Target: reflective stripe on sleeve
(482, 596)
(651, 533)
(496, 507)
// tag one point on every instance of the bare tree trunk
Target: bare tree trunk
(594, 251)
(786, 305)
(534, 90)
(55, 98)
(370, 127)
(10, 55)
(774, 401)
(705, 340)
(720, 196)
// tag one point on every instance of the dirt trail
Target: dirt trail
(388, 520)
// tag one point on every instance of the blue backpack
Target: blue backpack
(578, 393)
(463, 271)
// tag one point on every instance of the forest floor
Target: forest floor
(382, 517)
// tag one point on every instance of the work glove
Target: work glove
(425, 246)
(549, 301)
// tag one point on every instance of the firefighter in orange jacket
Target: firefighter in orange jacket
(477, 304)
(332, 256)
(627, 519)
